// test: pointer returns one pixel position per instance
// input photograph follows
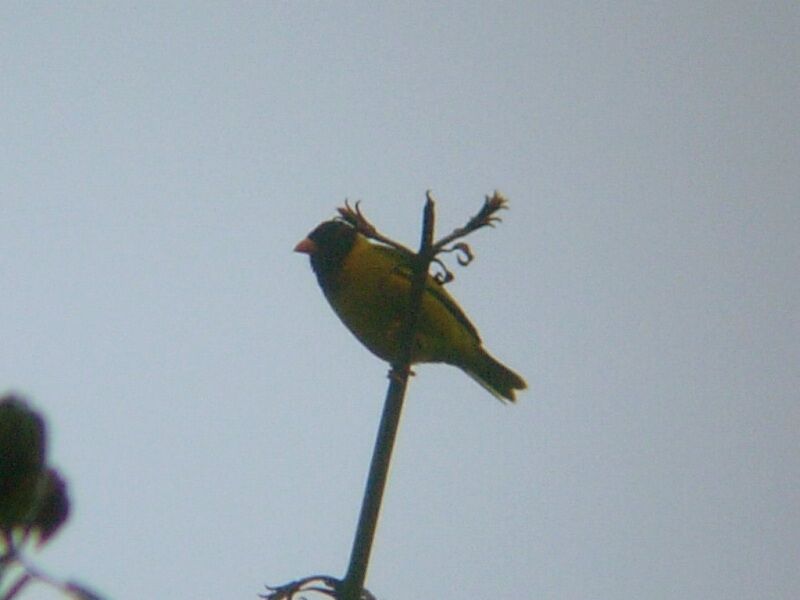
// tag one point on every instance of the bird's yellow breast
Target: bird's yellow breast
(371, 296)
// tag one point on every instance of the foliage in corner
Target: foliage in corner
(33, 500)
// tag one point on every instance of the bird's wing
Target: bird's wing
(402, 280)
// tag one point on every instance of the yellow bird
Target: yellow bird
(368, 285)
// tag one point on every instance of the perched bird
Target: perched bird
(368, 285)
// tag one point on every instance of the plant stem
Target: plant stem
(353, 582)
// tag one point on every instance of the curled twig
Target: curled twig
(464, 254)
(444, 275)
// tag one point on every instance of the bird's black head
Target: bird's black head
(327, 246)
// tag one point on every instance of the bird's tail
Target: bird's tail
(498, 379)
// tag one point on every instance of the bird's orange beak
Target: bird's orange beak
(306, 246)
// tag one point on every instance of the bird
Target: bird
(367, 284)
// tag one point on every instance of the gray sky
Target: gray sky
(215, 420)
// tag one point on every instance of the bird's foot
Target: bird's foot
(400, 375)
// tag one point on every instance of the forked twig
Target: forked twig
(485, 217)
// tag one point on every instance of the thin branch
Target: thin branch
(31, 573)
(353, 583)
(356, 218)
(20, 583)
(486, 217)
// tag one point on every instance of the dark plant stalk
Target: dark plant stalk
(353, 583)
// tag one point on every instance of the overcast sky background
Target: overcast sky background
(158, 162)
